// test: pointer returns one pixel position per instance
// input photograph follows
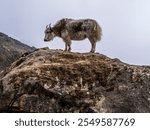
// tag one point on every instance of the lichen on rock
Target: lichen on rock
(57, 81)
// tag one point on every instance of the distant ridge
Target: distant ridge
(10, 50)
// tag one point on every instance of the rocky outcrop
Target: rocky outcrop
(56, 81)
(11, 50)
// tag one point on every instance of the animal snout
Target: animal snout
(45, 40)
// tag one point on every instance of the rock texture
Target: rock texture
(11, 50)
(56, 81)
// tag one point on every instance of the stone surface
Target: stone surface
(11, 50)
(57, 81)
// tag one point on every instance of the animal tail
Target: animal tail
(98, 32)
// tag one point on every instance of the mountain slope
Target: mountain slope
(56, 81)
(10, 50)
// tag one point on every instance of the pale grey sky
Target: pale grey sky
(125, 24)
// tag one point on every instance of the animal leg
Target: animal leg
(93, 45)
(66, 39)
(93, 48)
(66, 47)
(67, 44)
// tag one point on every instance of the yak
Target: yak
(71, 29)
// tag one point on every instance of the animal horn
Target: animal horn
(50, 25)
(47, 26)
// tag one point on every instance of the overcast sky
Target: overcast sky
(125, 24)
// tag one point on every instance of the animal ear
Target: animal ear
(50, 27)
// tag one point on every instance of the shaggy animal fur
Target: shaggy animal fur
(70, 29)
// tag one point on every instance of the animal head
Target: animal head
(49, 33)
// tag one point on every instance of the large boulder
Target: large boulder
(57, 81)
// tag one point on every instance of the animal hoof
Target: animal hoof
(92, 51)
